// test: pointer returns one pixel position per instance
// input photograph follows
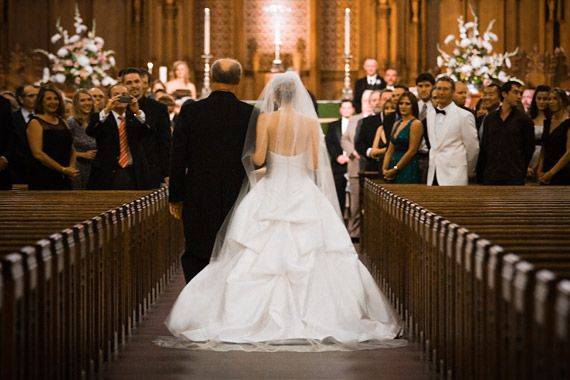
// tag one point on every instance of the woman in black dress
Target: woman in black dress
(51, 143)
(554, 163)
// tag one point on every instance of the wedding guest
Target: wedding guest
(554, 163)
(389, 107)
(380, 142)
(425, 83)
(353, 166)
(527, 97)
(391, 78)
(158, 89)
(181, 79)
(145, 82)
(51, 144)
(538, 112)
(460, 94)
(85, 146)
(156, 144)
(119, 131)
(339, 158)
(68, 107)
(6, 136)
(11, 97)
(452, 138)
(507, 144)
(491, 101)
(398, 90)
(170, 104)
(99, 99)
(372, 81)
(480, 110)
(20, 149)
(401, 162)
(365, 136)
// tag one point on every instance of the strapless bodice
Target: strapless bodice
(290, 168)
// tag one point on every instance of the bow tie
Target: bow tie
(437, 110)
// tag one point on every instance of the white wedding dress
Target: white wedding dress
(284, 274)
(295, 275)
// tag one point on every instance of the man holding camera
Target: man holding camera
(119, 129)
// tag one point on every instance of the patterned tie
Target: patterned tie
(423, 112)
(123, 143)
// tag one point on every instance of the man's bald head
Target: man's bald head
(226, 71)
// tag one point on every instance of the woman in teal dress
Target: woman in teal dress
(401, 160)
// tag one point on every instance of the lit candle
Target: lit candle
(347, 31)
(149, 65)
(45, 76)
(163, 74)
(206, 31)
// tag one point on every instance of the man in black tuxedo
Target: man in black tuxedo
(6, 135)
(372, 81)
(120, 163)
(157, 143)
(364, 138)
(20, 152)
(206, 170)
(339, 158)
(460, 96)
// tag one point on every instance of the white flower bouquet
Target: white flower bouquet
(81, 60)
(472, 59)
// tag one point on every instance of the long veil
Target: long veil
(284, 121)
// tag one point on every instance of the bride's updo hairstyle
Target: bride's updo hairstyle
(284, 92)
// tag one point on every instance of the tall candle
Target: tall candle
(347, 31)
(206, 31)
(45, 74)
(163, 74)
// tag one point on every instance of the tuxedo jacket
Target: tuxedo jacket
(6, 136)
(361, 85)
(454, 150)
(366, 134)
(20, 149)
(106, 162)
(157, 142)
(347, 144)
(333, 139)
(206, 170)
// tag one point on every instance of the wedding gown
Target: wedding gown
(293, 280)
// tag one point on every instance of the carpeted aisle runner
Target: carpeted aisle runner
(142, 359)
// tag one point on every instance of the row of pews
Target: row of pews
(78, 272)
(480, 275)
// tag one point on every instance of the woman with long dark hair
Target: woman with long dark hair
(538, 112)
(401, 162)
(51, 143)
(554, 163)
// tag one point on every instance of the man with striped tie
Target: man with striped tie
(119, 130)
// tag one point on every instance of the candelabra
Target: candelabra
(206, 90)
(347, 89)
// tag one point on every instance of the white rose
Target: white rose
(108, 81)
(112, 61)
(59, 78)
(74, 39)
(91, 47)
(476, 62)
(62, 52)
(465, 42)
(56, 37)
(449, 38)
(440, 61)
(83, 60)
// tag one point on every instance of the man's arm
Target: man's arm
(163, 126)
(470, 141)
(178, 153)
(528, 140)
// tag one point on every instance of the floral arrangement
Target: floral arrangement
(472, 59)
(81, 60)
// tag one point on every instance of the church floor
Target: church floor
(141, 359)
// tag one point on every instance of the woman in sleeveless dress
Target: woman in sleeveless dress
(85, 146)
(538, 112)
(401, 162)
(284, 269)
(51, 144)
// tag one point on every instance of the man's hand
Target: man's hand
(342, 159)
(176, 210)
(111, 103)
(546, 178)
(135, 106)
(3, 163)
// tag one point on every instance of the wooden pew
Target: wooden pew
(79, 271)
(461, 268)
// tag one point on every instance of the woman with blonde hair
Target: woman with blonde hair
(181, 79)
(85, 146)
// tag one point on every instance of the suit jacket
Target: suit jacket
(20, 150)
(362, 84)
(332, 139)
(206, 170)
(157, 142)
(106, 162)
(365, 137)
(347, 144)
(454, 150)
(6, 136)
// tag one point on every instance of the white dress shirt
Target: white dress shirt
(26, 114)
(104, 115)
(440, 120)
(371, 79)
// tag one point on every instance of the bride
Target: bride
(284, 274)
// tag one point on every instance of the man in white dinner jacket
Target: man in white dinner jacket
(452, 135)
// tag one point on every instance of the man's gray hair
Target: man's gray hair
(227, 71)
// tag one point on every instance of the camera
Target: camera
(125, 99)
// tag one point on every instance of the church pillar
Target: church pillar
(414, 46)
(383, 33)
(170, 32)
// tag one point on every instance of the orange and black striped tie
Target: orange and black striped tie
(123, 143)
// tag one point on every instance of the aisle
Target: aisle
(141, 359)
